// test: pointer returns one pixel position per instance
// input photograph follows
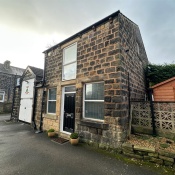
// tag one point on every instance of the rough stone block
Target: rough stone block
(133, 155)
(167, 154)
(127, 146)
(155, 160)
(124, 150)
(146, 158)
(149, 150)
(153, 155)
(166, 158)
(167, 163)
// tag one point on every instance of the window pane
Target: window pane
(94, 110)
(70, 54)
(1, 97)
(52, 94)
(94, 91)
(52, 107)
(69, 71)
(70, 89)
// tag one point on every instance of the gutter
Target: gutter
(13, 97)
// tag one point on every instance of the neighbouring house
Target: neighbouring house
(26, 96)
(9, 78)
(90, 79)
(164, 91)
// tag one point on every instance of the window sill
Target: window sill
(50, 116)
(94, 124)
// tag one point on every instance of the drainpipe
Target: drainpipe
(42, 86)
(13, 97)
(34, 102)
(129, 108)
(152, 112)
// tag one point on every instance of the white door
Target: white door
(26, 104)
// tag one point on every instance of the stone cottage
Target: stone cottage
(90, 79)
(9, 78)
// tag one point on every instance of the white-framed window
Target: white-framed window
(69, 62)
(51, 105)
(2, 95)
(93, 107)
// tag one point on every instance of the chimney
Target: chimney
(7, 64)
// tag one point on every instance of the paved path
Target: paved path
(25, 153)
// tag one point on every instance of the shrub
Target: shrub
(74, 135)
(51, 130)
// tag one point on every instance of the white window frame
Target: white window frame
(3, 94)
(63, 64)
(100, 101)
(50, 101)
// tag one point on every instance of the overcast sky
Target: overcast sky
(27, 27)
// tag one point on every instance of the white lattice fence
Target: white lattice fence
(164, 113)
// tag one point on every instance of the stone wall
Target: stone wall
(160, 157)
(16, 105)
(7, 85)
(102, 56)
(5, 107)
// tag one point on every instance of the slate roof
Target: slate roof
(11, 70)
(37, 71)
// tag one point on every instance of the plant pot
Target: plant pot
(74, 141)
(51, 134)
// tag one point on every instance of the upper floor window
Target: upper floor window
(2, 95)
(69, 62)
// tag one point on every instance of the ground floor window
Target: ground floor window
(94, 101)
(2, 95)
(51, 107)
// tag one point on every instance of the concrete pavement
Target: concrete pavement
(25, 153)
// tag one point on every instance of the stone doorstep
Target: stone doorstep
(149, 150)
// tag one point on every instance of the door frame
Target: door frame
(62, 107)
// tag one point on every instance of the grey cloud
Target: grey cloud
(154, 17)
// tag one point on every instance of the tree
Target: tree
(158, 73)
